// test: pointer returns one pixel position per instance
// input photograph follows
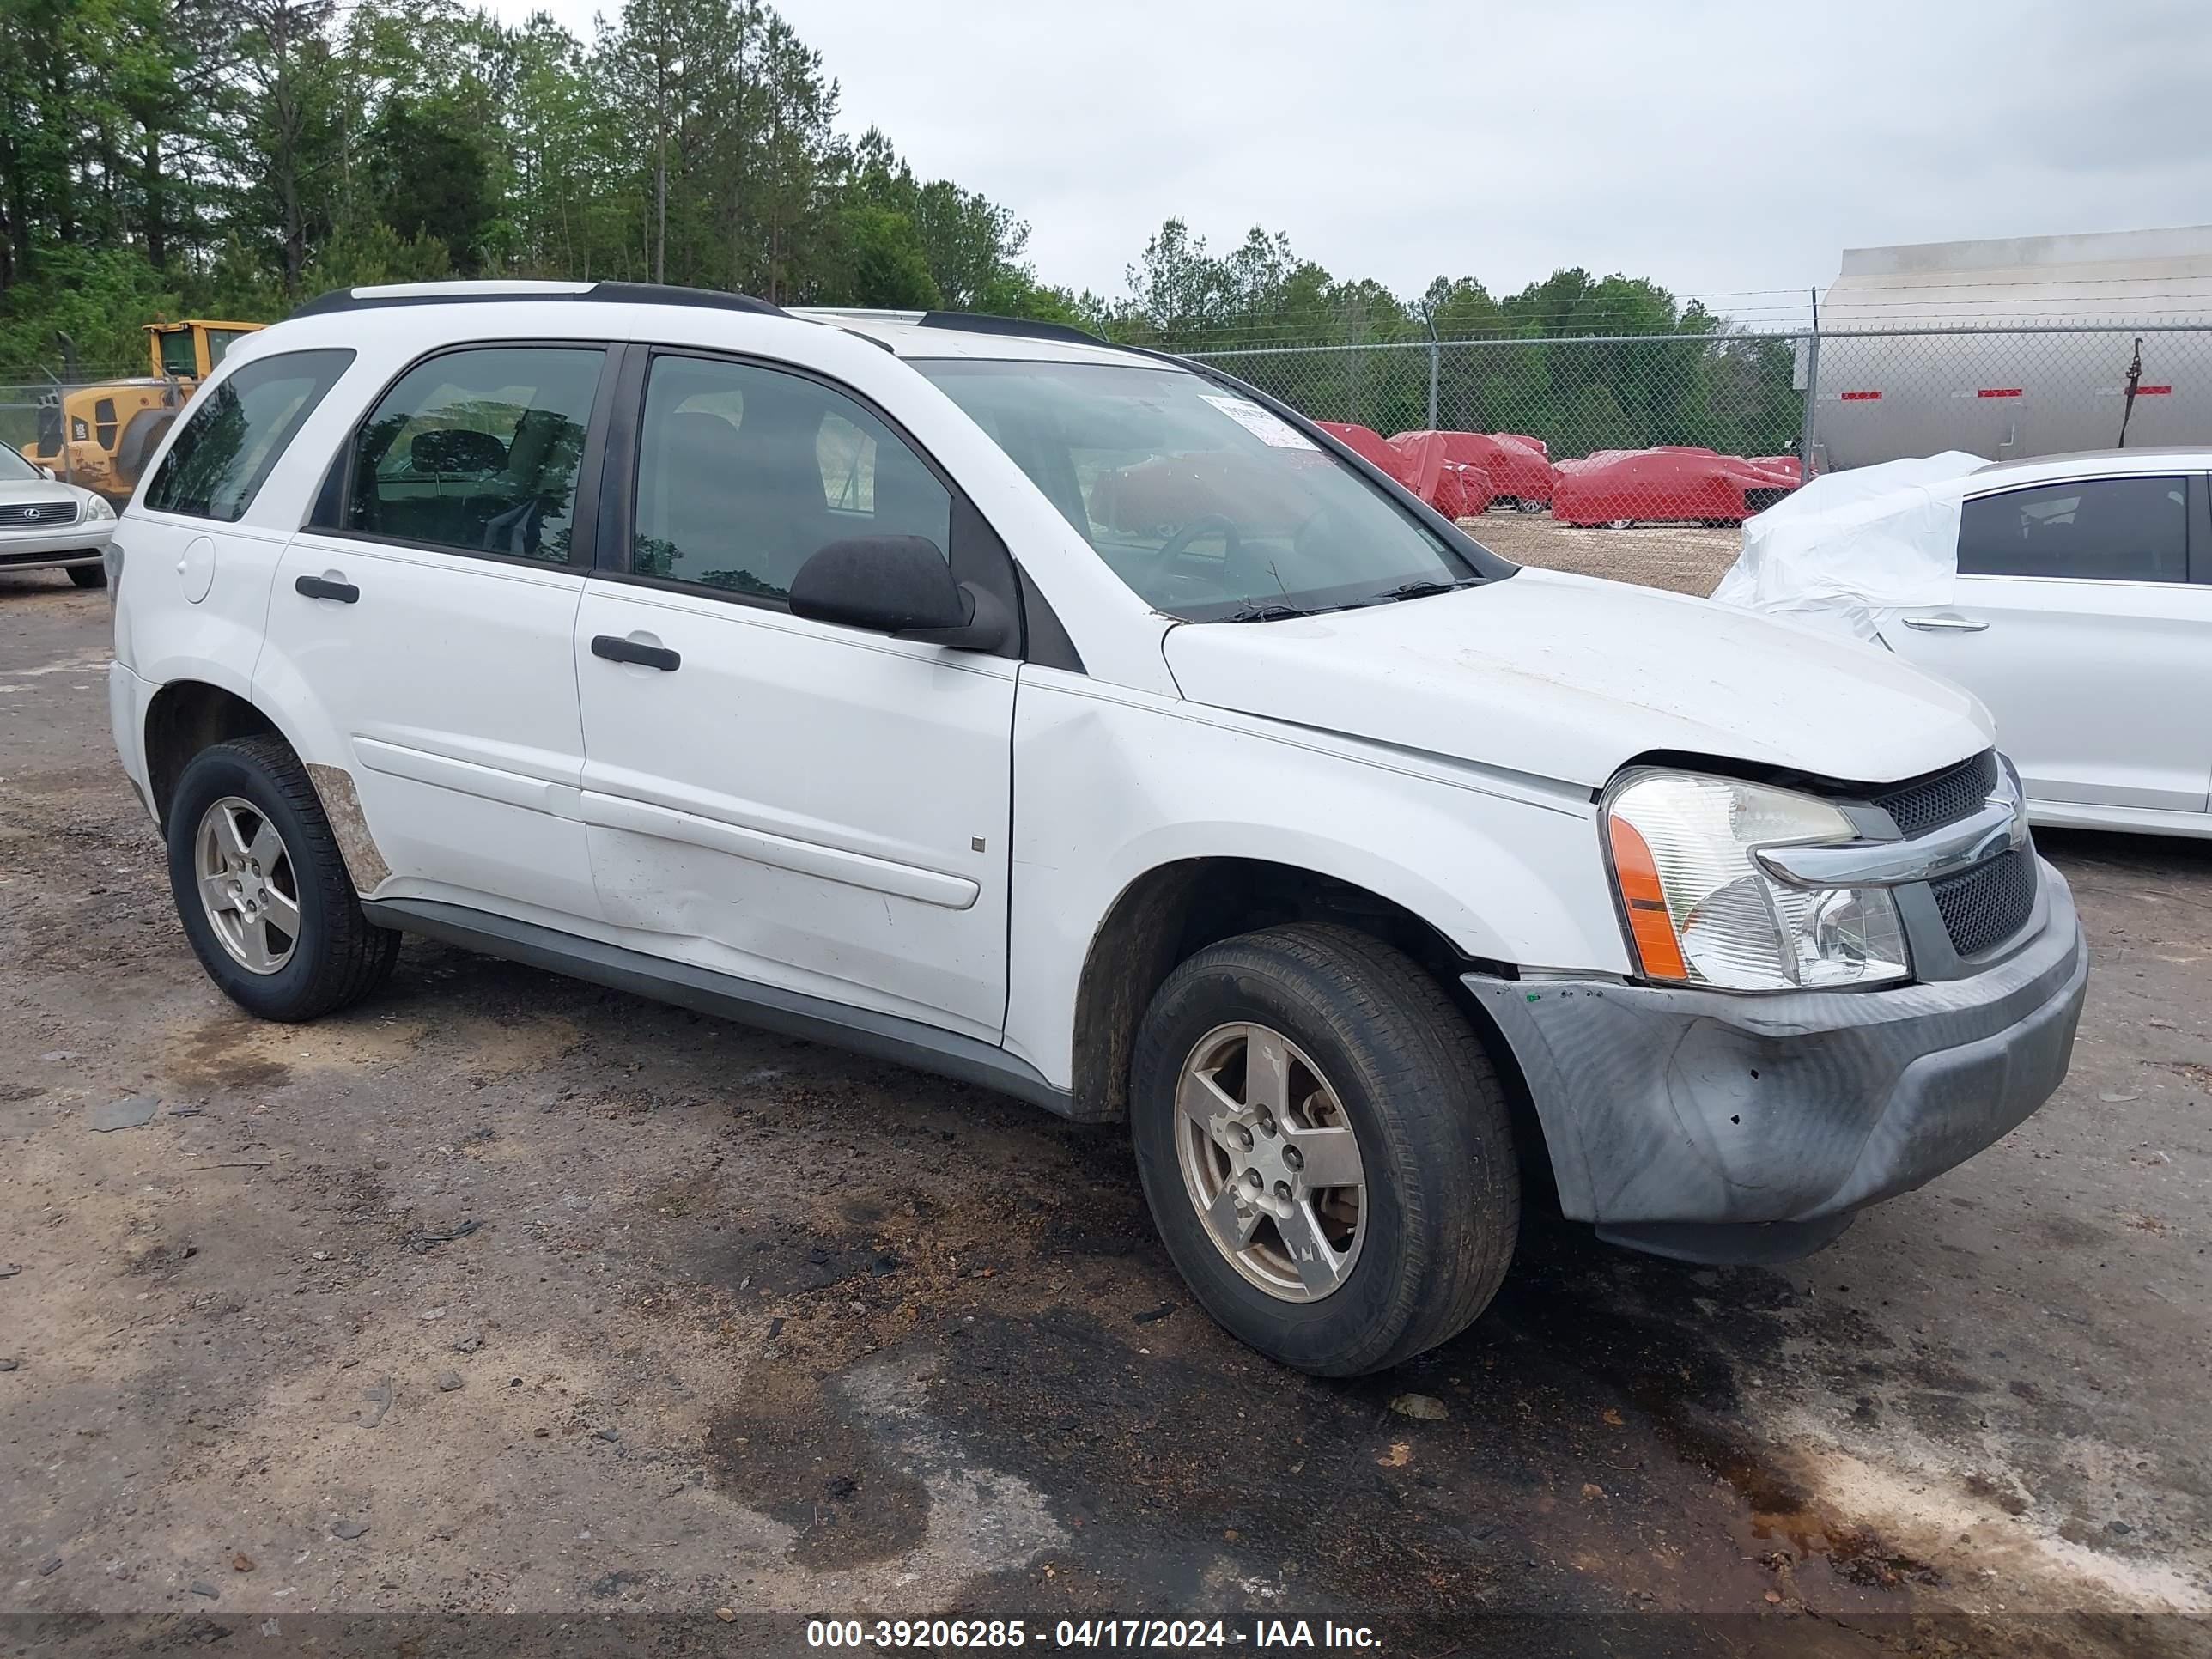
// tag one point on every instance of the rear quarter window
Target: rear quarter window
(235, 435)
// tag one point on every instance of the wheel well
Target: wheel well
(185, 718)
(1175, 911)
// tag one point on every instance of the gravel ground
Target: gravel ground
(1687, 558)
(503, 1294)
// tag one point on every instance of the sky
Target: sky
(1727, 150)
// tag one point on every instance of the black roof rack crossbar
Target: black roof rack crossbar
(981, 322)
(625, 294)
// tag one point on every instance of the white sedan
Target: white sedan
(2081, 615)
(44, 523)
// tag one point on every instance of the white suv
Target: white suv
(1081, 723)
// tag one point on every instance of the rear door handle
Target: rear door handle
(322, 587)
(1946, 625)
(615, 649)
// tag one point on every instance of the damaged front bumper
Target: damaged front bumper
(1725, 1127)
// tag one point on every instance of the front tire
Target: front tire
(1329, 1067)
(88, 575)
(262, 889)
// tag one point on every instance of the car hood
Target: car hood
(40, 490)
(1568, 677)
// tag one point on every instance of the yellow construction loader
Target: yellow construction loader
(101, 436)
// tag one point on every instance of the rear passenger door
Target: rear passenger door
(2076, 620)
(426, 611)
(802, 804)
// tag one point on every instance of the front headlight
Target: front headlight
(1700, 910)
(97, 508)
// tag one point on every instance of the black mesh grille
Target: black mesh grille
(1988, 904)
(1944, 798)
(19, 514)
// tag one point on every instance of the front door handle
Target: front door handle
(322, 587)
(1946, 625)
(615, 649)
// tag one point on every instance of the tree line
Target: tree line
(229, 158)
(1642, 368)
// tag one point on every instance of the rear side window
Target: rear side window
(238, 430)
(478, 451)
(2126, 530)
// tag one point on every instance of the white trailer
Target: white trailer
(2041, 335)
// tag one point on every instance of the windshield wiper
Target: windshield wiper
(1264, 613)
(1422, 590)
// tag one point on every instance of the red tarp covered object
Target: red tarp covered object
(1369, 444)
(1452, 486)
(1454, 489)
(1177, 489)
(1673, 481)
(1516, 467)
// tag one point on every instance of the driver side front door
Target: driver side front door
(798, 804)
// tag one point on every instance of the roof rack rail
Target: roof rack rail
(983, 322)
(857, 314)
(627, 294)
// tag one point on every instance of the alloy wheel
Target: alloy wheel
(247, 885)
(1270, 1162)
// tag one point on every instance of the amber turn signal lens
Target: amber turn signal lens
(1648, 924)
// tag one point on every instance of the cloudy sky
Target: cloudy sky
(1725, 148)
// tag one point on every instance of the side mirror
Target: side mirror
(897, 585)
(45, 472)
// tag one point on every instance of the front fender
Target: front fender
(1110, 785)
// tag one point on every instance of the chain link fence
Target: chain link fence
(32, 423)
(20, 404)
(1641, 455)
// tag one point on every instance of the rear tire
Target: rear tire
(285, 938)
(1367, 1042)
(88, 575)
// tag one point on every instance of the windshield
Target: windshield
(177, 354)
(1204, 503)
(14, 469)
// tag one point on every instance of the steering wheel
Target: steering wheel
(1176, 545)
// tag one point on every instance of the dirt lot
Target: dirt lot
(1687, 558)
(507, 1295)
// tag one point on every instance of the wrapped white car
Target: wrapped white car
(1850, 550)
(2071, 594)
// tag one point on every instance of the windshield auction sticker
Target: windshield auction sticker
(1272, 430)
